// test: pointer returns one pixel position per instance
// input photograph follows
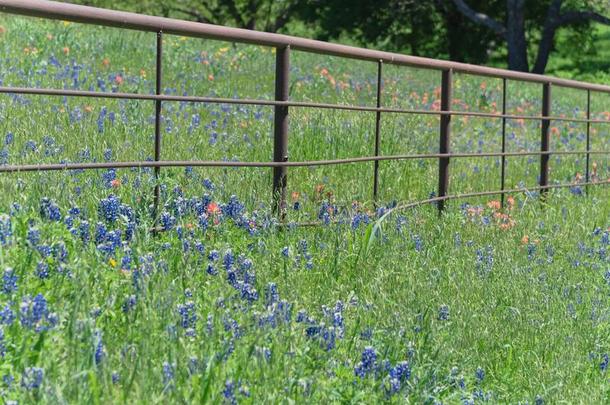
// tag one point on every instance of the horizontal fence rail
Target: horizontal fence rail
(284, 44)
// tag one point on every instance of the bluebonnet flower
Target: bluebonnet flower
(228, 260)
(604, 363)
(285, 251)
(368, 362)
(398, 375)
(443, 313)
(6, 229)
(229, 392)
(9, 281)
(359, 218)
(42, 270)
(207, 183)
(115, 377)
(49, 210)
(209, 324)
(168, 374)
(109, 208)
(84, 231)
(44, 250)
(60, 252)
(213, 255)
(484, 260)
(8, 381)
(167, 221)
(7, 316)
(30, 146)
(479, 374)
(108, 176)
(418, 243)
(34, 312)
(129, 303)
(100, 233)
(100, 119)
(99, 351)
(31, 378)
(126, 260)
(9, 138)
(188, 315)
(539, 400)
(2, 348)
(271, 294)
(233, 208)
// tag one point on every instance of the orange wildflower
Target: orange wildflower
(88, 108)
(525, 240)
(494, 204)
(118, 79)
(116, 183)
(211, 77)
(66, 50)
(295, 196)
(213, 208)
(554, 131)
(106, 62)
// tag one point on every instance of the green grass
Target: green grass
(524, 304)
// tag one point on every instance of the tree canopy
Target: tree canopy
(470, 31)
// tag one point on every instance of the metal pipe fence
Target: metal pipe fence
(284, 44)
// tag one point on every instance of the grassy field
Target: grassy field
(483, 304)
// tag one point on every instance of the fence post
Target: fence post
(503, 159)
(445, 134)
(280, 133)
(377, 133)
(588, 138)
(545, 139)
(158, 82)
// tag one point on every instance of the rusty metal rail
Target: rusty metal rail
(284, 44)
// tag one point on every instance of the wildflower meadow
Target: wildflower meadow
(223, 303)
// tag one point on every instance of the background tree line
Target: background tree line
(518, 34)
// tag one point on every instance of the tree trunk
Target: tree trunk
(515, 36)
(548, 36)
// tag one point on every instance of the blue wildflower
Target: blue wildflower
(42, 270)
(7, 316)
(109, 208)
(188, 315)
(168, 374)
(443, 313)
(49, 210)
(368, 362)
(479, 374)
(6, 229)
(99, 351)
(207, 183)
(32, 377)
(9, 281)
(129, 303)
(229, 392)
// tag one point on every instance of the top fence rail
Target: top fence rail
(127, 20)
